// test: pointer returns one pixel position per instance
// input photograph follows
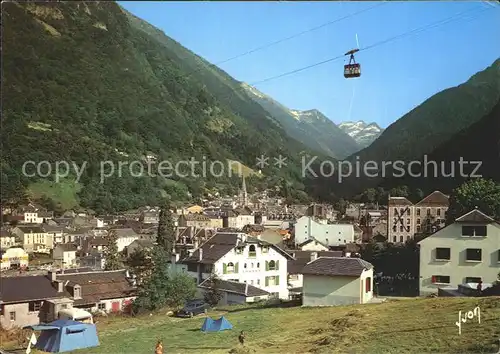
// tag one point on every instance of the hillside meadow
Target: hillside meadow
(396, 326)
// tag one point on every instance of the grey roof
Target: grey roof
(67, 247)
(127, 232)
(336, 266)
(27, 288)
(475, 216)
(31, 229)
(235, 288)
(50, 228)
(295, 266)
(214, 248)
(311, 240)
(145, 243)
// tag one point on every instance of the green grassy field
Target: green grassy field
(404, 326)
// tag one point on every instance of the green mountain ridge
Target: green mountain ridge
(423, 130)
(312, 128)
(91, 82)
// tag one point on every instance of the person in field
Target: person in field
(159, 347)
(241, 338)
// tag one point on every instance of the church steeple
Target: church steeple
(243, 193)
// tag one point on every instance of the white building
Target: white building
(301, 258)
(328, 234)
(64, 255)
(241, 258)
(7, 239)
(14, 257)
(332, 281)
(125, 237)
(463, 252)
(239, 220)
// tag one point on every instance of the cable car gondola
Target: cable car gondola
(352, 69)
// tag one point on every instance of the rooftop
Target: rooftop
(336, 266)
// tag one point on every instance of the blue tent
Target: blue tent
(65, 335)
(211, 325)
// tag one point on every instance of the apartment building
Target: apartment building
(463, 252)
(406, 219)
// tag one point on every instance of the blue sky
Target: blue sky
(396, 76)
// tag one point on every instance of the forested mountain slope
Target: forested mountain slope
(437, 119)
(477, 146)
(418, 133)
(90, 82)
(312, 128)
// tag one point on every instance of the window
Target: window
(408, 212)
(440, 279)
(272, 281)
(479, 231)
(251, 251)
(418, 221)
(472, 279)
(244, 265)
(418, 228)
(230, 267)
(12, 316)
(428, 211)
(258, 265)
(473, 254)
(206, 268)
(272, 265)
(102, 306)
(368, 285)
(418, 212)
(265, 249)
(238, 250)
(401, 228)
(401, 211)
(394, 239)
(258, 281)
(192, 267)
(400, 238)
(443, 254)
(408, 221)
(439, 212)
(394, 228)
(34, 306)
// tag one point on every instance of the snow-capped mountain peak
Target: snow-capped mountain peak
(364, 133)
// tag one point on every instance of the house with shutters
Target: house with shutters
(464, 252)
(240, 258)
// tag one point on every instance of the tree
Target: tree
(401, 191)
(341, 206)
(166, 229)
(481, 193)
(112, 260)
(153, 291)
(369, 195)
(141, 265)
(181, 288)
(162, 287)
(213, 294)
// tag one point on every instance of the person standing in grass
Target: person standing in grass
(241, 338)
(159, 347)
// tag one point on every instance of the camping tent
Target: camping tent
(211, 325)
(65, 335)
